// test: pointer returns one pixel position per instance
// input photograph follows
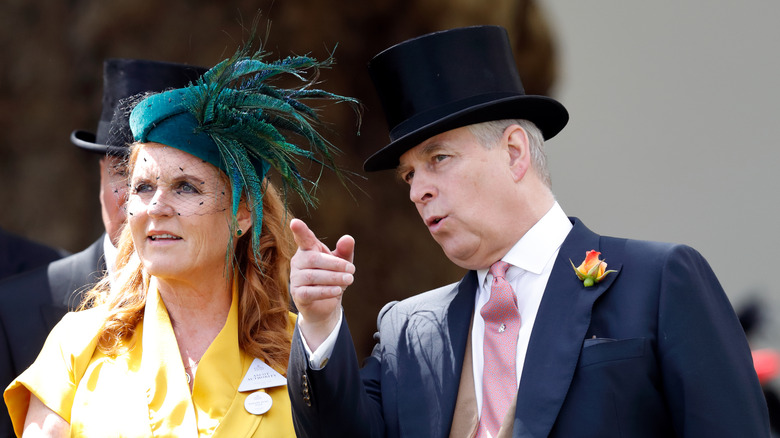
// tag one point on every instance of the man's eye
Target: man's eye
(438, 158)
(408, 177)
(119, 172)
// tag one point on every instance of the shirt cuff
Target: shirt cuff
(319, 358)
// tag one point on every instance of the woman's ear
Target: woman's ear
(516, 140)
(244, 218)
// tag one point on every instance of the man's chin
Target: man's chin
(463, 259)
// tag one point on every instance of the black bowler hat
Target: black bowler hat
(124, 78)
(449, 79)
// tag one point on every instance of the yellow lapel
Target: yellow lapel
(167, 393)
(215, 392)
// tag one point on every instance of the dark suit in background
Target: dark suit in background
(33, 302)
(18, 254)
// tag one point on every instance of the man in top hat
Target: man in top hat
(32, 303)
(637, 340)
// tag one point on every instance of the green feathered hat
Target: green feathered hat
(233, 118)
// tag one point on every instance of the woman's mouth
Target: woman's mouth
(157, 237)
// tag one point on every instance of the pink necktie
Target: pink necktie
(502, 324)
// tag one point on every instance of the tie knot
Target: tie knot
(499, 268)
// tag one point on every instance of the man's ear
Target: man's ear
(516, 140)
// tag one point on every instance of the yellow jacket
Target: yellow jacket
(144, 391)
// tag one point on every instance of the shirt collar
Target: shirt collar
(533, 251)
(109, 254)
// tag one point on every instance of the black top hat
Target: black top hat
(123, 78)
(446, 80)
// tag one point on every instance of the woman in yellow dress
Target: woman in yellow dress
(192, 335)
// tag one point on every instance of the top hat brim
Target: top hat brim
(87, 141)
(547, 114)
(122, 79)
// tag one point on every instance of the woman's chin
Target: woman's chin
(163, 269)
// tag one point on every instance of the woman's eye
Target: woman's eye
(142, 188)
(439, 158)
(185, 187)
(408, 177)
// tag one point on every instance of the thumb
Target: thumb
(345, 248)
(304, 237)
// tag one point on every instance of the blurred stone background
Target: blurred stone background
(671, 137)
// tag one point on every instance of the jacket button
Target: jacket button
(305, 384)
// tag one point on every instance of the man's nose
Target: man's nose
(421, 189)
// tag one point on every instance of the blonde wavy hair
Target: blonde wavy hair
(264, 329)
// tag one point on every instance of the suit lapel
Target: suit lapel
(459, 327)
(70, 277)
(556, 340)
(434, 369)
(67, 280)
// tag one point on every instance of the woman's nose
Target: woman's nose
(160, 204)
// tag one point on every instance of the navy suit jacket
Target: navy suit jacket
(654, 350)
(18, 254)
(33, 302)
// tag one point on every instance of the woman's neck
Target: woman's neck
(197, 313)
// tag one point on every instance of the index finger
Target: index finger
(304, 237)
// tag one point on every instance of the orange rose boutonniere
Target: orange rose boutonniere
(592, 270)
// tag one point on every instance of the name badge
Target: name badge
(258, 403)
(260, 376)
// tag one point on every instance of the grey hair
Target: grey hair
(489, 133)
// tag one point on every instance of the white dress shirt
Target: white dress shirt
(531, 259)
(109, 254)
